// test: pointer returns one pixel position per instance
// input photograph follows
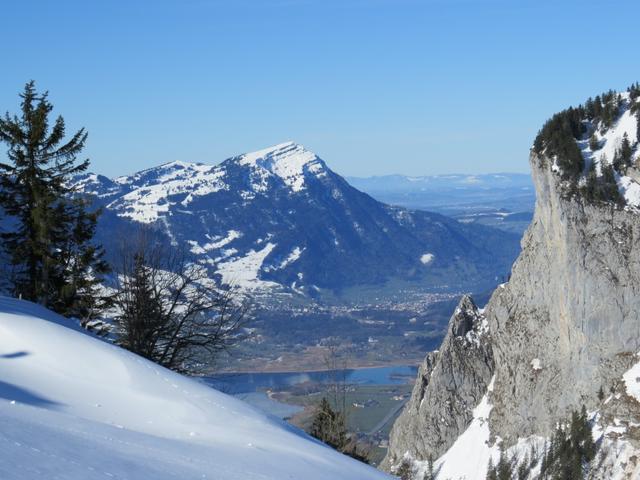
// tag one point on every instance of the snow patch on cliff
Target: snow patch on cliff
(468, 458)
(632, 381)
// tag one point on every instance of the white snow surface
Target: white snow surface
(468, 458)
(74, 407)
(219, 243)
(427, 258)
(289, 161)
(630, 190)
(148, 202)
(244, 272)
(610, 141)
(632, 381)
(292, 257)
(536, 364)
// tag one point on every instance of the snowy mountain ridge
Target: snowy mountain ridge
(288, 161)
(75, 407)
(280, 220)
(144, 196)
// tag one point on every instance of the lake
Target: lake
(238, 383)
(251, 387)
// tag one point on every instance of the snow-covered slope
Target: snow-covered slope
(280, 220)
(74, 407)
(609, 142)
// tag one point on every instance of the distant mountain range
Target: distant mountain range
(502, 200)
(280, 220)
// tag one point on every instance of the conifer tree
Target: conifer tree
(638, 125)
(492, 474)
(53, 261)
(329, 426)
(504, 468)
(429, 474)
(405, 470)
(141, 320)
(625, 151)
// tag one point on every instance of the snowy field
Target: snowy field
(74, 407)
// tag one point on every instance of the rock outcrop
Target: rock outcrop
(450, 384)
(560, 334)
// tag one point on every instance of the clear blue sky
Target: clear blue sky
(372, 86)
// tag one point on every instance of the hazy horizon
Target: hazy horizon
(327, 161)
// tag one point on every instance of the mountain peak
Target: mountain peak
(274, 150)
(289, 161)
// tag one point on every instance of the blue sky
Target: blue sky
(372, 86)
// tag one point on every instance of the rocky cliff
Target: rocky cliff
(562, 333)
(449, 385)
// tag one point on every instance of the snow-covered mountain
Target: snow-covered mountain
(561, 334)
(280, 219)
(76, 408)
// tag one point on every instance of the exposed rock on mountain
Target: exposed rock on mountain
(279, 219)
(450, 384)
(564, 332)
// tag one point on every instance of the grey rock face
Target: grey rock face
(450, 384)
(571, 308)
(566, 324)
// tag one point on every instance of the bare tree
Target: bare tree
(330, 421)
(170, 311)
(336, 362)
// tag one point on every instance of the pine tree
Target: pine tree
(609, 186)
(504, 468)
(570, 450)
(524, 470)
(329, 426)
(53, 261)
(83, 265)
(492, 473)
(582, 436)
(429, 474)
(625, 151)
(405, 470)
(589, 108)
(141, 320)
(591, 186)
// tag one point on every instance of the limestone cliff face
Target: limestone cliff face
(569, 319)
(566, 325)
(450, 384)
